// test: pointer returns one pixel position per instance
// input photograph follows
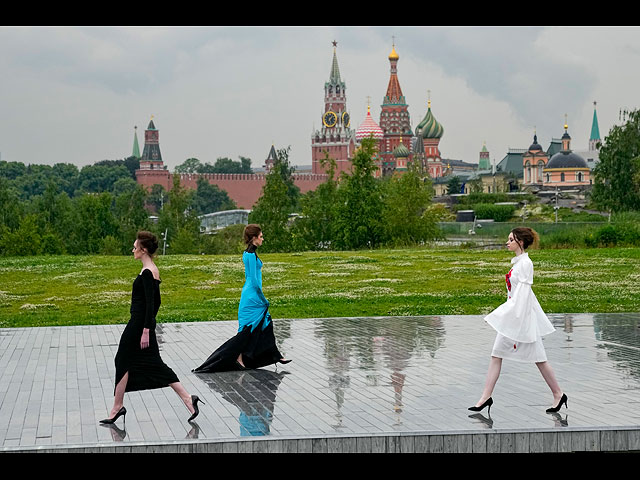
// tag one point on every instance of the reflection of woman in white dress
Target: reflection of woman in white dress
(520, 323)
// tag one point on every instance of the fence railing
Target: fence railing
(502, 229)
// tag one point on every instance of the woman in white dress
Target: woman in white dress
(520, 323)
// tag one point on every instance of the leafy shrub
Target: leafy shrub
(499, 213)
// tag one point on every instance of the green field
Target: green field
(74, 290)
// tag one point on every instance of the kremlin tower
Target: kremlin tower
(484, 162)
(394, 121)
(335, 137)
(151, 157)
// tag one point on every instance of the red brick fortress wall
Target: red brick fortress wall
(244, 189)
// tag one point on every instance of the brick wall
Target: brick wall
(244, 189)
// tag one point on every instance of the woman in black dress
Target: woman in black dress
(138, 362)
(254, 345)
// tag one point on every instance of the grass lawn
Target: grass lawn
(74, 290)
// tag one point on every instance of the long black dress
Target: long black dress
(256, 342)
(146, 368)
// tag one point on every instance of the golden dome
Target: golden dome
(393, 55)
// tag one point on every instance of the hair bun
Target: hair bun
(148, 241)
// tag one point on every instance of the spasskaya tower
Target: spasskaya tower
(335, 136)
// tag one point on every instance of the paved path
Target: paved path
(391, 384)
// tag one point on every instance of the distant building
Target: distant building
(566, 168)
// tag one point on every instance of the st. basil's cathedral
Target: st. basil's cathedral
(398, 146)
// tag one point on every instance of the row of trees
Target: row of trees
(222, 165)
(353, 211)
(101, 218)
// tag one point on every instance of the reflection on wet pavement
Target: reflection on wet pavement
(349, 376)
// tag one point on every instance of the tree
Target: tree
(11, 209)
(178, 218)
(93, 221)
(131, 215)
(190, 165)
(226, 165)
(222, 165)
(66, 176)
(359, 202)
(315, 229)
(454, 185)
(280, 196)
(616, 177)
(210, 198)
(55, 212)
(156, 197)
(25, 240)
(12, 170)
(101, 176)
(406, 216)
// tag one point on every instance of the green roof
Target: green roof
(136, 148)
(595, 131)
(511, 163)
(554, 147)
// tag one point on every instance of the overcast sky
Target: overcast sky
(74, 95)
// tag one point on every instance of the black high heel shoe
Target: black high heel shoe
(108, 421)
(557, 407)
(194, 402)
(487, 403)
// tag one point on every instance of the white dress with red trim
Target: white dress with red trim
(520, 321)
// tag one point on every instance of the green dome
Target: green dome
(429, 127)
(401, 151)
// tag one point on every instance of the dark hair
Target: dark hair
(148, 241)
(250, 231)
(525, 236)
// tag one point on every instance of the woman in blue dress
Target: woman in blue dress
(254, 345)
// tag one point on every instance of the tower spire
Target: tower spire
(136, 147)
(566, 138)
(334, 76)
(594, 138)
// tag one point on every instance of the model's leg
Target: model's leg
(550, 377)
(183, 394)
(493, 373)
(240, 360)
(118, 398)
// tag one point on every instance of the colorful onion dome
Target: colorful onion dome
(429, 126)
(393, 55)
(401, 151)
(369, 127)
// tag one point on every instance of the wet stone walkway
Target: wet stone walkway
(384, 384)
